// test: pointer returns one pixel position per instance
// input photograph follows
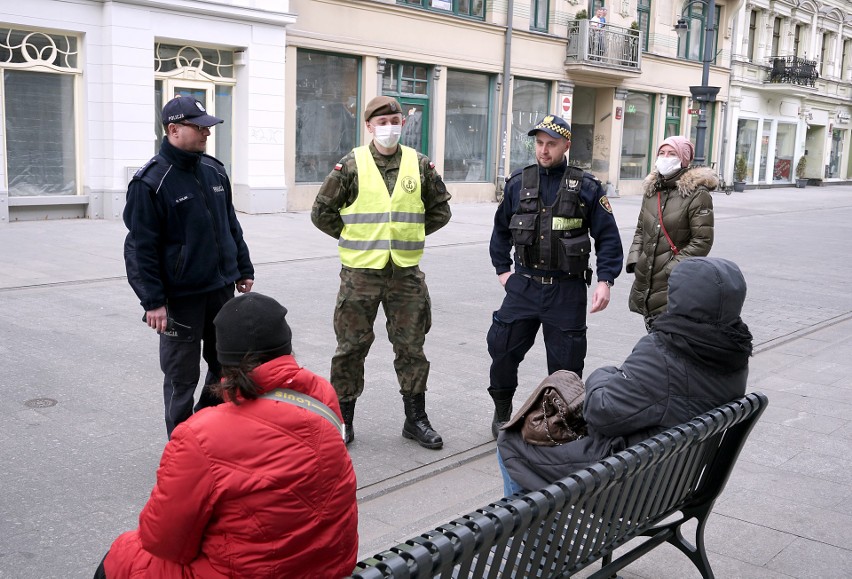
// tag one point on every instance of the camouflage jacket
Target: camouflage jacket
(340, 189)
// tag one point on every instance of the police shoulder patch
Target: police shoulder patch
(605, 204)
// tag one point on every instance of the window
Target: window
(784, 145)
(752, 34)
(206, 74)
(467, 129)
(530, 104)
(823, 53)
(776, 36)
(673, 116)
(538, 15)
(409, 83)
(692, 46)
(39, 94)
(747, 143)
(844, 59)
(327, 108)
(636, 135)
(796, 38)
(644, 21)
(473, 8)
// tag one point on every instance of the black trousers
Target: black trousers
(180, 354)
(559, 307)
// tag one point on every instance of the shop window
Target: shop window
(530, 104)
(473, 8)
(747, 144)
(636, 135)
(467, 128)
(327, 108)
(785, 138)
(39, 94)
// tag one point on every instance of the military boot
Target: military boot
(347, 409)
(502, 409)
(417, 425)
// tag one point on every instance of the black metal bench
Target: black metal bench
(565, 527)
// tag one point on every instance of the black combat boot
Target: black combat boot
(502, 409)
(417, 425)
(347, 409)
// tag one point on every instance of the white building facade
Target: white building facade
(83, 83)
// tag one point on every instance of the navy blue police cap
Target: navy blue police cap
(553, 126)
(187, 109)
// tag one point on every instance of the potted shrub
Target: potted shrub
(740, 172)
(801, 180)
(581, 15)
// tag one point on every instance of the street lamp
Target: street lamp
(702, 94)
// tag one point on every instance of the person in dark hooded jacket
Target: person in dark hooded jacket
(694, 359)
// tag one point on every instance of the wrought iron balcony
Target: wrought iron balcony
(793, 70)
(609, 46)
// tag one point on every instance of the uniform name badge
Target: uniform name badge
(566, 223)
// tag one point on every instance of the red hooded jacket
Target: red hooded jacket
(264, 489)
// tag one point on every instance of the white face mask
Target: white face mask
(667, 165)
(387, 135)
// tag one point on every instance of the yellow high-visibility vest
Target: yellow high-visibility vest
(379, 226)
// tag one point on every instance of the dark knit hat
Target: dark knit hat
(381, 105)
(251, 325)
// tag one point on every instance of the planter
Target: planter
(800, 183)
(739, 186)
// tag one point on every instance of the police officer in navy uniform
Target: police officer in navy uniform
(184, 253)
(549, 215)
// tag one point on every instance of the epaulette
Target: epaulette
(515, 173)
(586, 174)
(144, 168)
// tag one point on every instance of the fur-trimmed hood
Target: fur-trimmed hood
(687, 183)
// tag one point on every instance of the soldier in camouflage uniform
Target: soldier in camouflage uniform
(380, 202)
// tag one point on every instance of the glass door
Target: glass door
(202, 92)
(415, 133)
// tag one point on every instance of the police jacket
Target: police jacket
(596, 215)
(687, 210)
(184, 235)
(660, 384)
(263, 489)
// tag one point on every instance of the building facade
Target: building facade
(83, 83)
(791, 91)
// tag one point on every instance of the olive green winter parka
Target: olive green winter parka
(687, 208)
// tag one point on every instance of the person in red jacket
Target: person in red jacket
(258, 486)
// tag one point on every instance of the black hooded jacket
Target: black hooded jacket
(695, 360)
(184, 237)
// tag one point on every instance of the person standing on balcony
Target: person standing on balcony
(597, 24)
(675, 222)
(549, 214)
(380, 202)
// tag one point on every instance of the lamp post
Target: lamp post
(702, 94)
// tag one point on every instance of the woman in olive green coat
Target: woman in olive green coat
(682, 196)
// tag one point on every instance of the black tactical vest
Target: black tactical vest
(555, 237)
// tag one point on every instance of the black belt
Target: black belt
(545, 280)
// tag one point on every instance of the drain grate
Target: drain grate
(40, 403)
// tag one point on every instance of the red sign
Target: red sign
(693, 111)
(618, 113)
(566, 104)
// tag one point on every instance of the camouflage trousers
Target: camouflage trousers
(408, 310)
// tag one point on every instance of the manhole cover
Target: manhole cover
(40, 403)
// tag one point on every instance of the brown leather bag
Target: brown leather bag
(553, 414)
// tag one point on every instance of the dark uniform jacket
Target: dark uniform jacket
(184, 235)
(688, 216)
(340, 189)
(601, 223)
(658, 386)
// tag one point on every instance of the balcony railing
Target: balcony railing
(793, 70)
(610, 46)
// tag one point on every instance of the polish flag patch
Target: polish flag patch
(338, 167)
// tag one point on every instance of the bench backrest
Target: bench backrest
(583, 517)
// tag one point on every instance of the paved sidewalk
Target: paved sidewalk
(76, 473)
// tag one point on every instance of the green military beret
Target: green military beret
(381, 105)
